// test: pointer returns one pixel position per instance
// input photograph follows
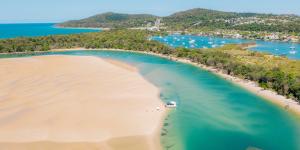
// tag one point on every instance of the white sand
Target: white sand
(66, 102)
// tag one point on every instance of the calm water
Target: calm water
(190, 41)
(36, 29)
(213, 114)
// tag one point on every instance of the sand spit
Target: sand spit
(76, 102)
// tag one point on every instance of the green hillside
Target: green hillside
(195, 19)
(112, 20)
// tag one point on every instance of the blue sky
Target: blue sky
(12, 11)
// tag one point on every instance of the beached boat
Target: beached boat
(171, 104)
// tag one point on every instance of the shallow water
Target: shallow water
(190, 41)
(213, 114)
(36, 29)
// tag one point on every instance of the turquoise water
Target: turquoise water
(36, 29)
(191, 41)
(212, 113)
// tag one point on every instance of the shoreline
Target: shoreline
(288, 104)
(232, 37)
(49, 122)
(91, 28)
(250, 86)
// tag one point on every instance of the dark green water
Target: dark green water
(213, 114)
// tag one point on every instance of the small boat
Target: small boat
(293, 50)
(192, 41)
(210, 43)
(171, 104)
(214, 45)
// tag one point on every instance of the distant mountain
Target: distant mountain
(195, 19)
(112, 20)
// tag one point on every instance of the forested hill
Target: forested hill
(205, 18)
(112, 20)
(195, 19)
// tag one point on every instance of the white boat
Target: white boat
(293, 50)
(171, 104)
(210, 43)
(192, 41)
(214, 45)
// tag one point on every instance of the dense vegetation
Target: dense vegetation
(271, 72)
(119, 39)
(277, 73)
(204, 18)
(196, 19)
(112, 20)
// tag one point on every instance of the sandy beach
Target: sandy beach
(286, 103)
(76, 102)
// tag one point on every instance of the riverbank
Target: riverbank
(285, 103)
(77, 102)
